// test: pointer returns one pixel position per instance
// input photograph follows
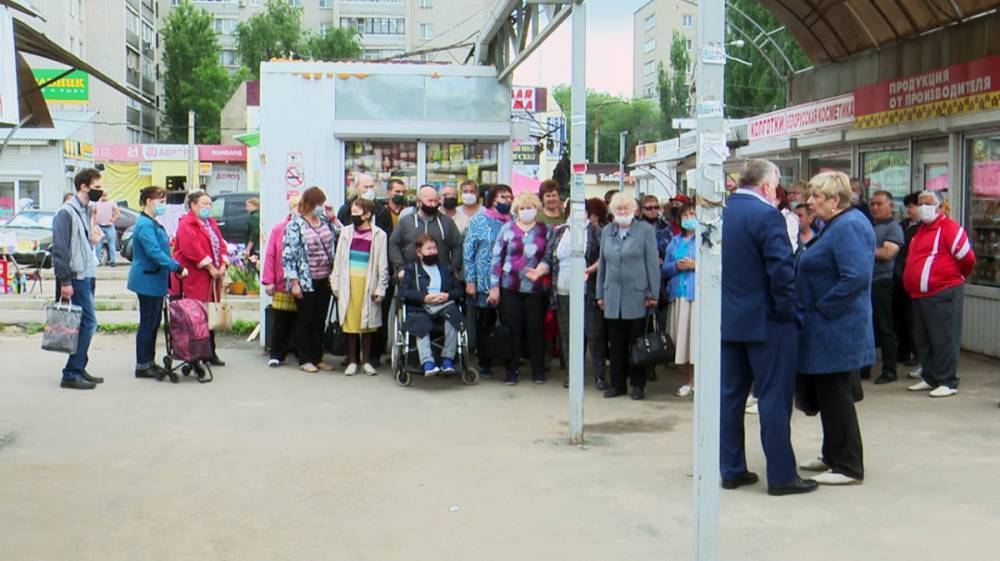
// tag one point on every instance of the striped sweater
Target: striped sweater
(940, 256)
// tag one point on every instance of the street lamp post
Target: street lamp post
(577, 220)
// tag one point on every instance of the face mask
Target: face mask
(469, 199)
(527, 215)
(689, 224)
(928, 213)
(399, 200)
(95, 195)
(160, 209)
(368, 194)
(319, 211)
(429, 210)
(450, 202)
(623, 220)
(204, 213)
(794, 205)
(357, 220)
(430, 260)
(503, 208)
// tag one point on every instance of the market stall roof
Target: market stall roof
(64, 125)
(830, 30)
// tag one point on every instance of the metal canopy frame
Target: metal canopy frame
(515, 29)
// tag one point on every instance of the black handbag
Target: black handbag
(652, 348)
(494, 343)
(334, 340)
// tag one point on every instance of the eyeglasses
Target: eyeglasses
(650, 208)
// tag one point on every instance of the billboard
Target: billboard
(71, 88)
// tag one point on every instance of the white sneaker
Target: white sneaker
(943, 391)
(369, 369)
(830, 478)
(921, 386)
(684, 391)
(916, 373)
(351, 369)
(273, 363)
(309, 367)
(816, 465)
(752, 410)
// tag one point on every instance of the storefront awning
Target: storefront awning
(249, 139)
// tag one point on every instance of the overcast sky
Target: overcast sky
(609, 50)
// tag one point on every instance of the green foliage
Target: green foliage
(194, 80)
(243, 327)
(756, 89)
(274, 32)
(338, 43)
(107, 307)
(672, 87)
(115, 328)
(611, 115)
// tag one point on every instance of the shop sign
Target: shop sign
(527, 99)
(169, 152)
(807, 117)
(78, 150)
(165, 152)
(961, 88)
(526, 154)
(222, 153)
(71, 88)
(145, 169)
(9, 108)
(613, 178)
(205, 169)
(644, 151)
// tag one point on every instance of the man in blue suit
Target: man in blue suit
(759, 331)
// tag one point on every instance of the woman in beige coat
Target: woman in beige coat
(359, 281)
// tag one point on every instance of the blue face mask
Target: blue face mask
(503, 208)
(160, 209)
(204, 213)
(689, 224)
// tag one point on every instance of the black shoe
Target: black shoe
(511, 379)
(866, 373)
(92, 379)
(748, 478)
(651, 375)
(77, 384)
(796, 487)
(216, 361)
(601, 385)
(612, 392)
(147, 372)
(885, 378)
(638, 393)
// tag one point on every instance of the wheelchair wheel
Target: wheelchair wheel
(470, 376)
(403, 377)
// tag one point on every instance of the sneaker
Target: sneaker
(309, 367)
(369, 369)
(324, 366)
(831, 478)
(447, 366)
(351, 369)
(916, 373)
(511, 379)
(273, 363)
(684, 391)
(921, 386)
(816, 465)
(430, 369)
(752, 409)
(538, 378)
(943, 391)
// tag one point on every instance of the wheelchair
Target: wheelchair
(403, 349)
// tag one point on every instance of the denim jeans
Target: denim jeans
(150, 313)
(83, 296)
(110, 240)
(426, 352)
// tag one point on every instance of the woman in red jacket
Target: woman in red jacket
(200, 248)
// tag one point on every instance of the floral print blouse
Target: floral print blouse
(514, 252)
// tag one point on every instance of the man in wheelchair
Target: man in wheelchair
(431, 293)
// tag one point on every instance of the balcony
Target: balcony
(132, 116)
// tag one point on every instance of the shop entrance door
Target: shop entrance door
(930, 168)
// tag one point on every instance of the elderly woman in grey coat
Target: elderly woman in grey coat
(628, 285)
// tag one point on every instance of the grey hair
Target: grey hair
(930, 194)
(754, 172)
(623, 200)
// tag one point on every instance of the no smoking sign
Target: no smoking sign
(294, 176)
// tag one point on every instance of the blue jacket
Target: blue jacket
(151, 260)
(758, 274)
(834, 297)
(679, 283)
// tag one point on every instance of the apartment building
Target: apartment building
(653, 25)
(119, 38)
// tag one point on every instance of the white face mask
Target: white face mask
(368, 194)
(928, 213)
(527, 215)
(469, 199)
(624, 220)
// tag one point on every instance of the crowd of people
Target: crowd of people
(814, 277)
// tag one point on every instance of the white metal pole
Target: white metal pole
(597, 136)
(710, 188)
(192, 178)
(577, 220)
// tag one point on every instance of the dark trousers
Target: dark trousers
(381, 337)
(770, 367)
(283, 325)
(902, 307)
(486, 319)
(83, 296)
(842, 449)
(938, 335)
(621, 334)
(150, 314)
(885, 325)
(310, 322)
(524, 315)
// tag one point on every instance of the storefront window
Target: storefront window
(383, 160)
(829, 162)
(7, 201)
(983, 224)
(887, 170)
(29, 190)
(451, 163)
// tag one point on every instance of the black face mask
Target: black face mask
(429, 210)
(399, 200)
(95, 195)
(653, 220)
(430, 260)
(450, 203)
(357, 220)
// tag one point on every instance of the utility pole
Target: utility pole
(191, 178)
(709, 180)
(578, 219)
(597, 136)
(621, 163)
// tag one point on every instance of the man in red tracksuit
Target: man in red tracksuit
(940, 257)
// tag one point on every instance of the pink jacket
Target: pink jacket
(273, 272)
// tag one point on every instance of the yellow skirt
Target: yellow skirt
(352, 320)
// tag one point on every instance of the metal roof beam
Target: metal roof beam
(515, 30)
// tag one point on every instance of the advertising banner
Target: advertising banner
(71, 88)
(808, 117)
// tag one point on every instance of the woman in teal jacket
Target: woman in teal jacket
(151, 265)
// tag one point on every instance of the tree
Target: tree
(274, 32)
(756, 89)
(673, 88)
(337, 43)
(194, 80)
(612, 115)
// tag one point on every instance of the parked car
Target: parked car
(125, 221)
(32, 231)
(230, 212)
(125, 247)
